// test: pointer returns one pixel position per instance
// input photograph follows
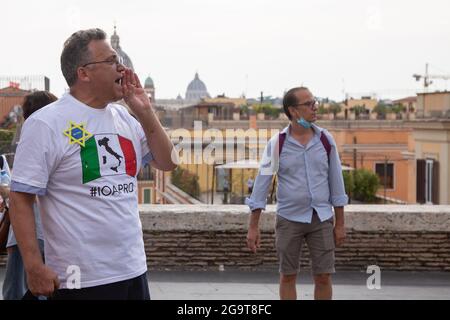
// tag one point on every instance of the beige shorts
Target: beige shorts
(319, 237)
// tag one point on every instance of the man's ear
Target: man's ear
(83, 75)
(292, 112)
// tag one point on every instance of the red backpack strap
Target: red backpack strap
(281, 138)
(323, 138)
(326, 144)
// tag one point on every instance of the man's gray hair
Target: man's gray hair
(76, 52)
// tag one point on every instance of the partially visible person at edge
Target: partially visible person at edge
(250, 183)
(310, 183)
(14, 284)
(80, 155)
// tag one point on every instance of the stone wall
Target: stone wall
(394, 237)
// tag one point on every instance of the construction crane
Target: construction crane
(426, 78)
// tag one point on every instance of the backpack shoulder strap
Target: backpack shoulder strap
(281, 138)
(323, 138)
(326, 144)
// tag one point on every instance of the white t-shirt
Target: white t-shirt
(37, 221)
(87, 195)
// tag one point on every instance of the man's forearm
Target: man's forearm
(158, 140)
(254, 218)
(22, 221)
(339, 214)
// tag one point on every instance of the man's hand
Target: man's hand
(134, 94)
(253, 234)
(253, 239)
(42, 281)
(339, 235)
(165, 156)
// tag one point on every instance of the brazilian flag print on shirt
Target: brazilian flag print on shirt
(107, 155)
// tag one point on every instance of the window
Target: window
(429, 181)
(145, 173)
(427, 177)
(388, 175)
(147, 195)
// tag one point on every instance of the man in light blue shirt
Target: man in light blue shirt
(306, 161)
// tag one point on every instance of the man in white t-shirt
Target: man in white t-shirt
(81, 155)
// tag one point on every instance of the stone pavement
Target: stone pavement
(263, 285)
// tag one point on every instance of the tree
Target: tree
(6, 137)
(398, 108)
(349, 183)
(366, 184)
(380, 108)
(244, 109)
(268, 109)
(186, 181)
(322, 109)
(359, 110)
(335, 108)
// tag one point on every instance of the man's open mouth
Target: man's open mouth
(119, 81)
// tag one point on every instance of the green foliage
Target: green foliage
(398, 108)
(380, 108)
(257, 108)
(268, 109)
(6, 137)
(244, 109)
(334, 108)
(359, 109)
(186, 181)
(322, 109)
(349, 183)
(361, 185)
(366, 184)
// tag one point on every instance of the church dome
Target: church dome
(115, 43)
(196, 84)
(149, 83)
(196, 89)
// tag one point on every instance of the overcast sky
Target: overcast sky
(245, 46)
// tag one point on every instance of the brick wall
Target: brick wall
(208, 250)
(394, 237)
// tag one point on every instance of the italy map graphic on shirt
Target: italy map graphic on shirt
(107, 155)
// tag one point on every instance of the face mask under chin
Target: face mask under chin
(304, 123)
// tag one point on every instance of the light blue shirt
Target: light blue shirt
(306, 180)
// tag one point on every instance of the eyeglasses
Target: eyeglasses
(311, 104)
(114, 60)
